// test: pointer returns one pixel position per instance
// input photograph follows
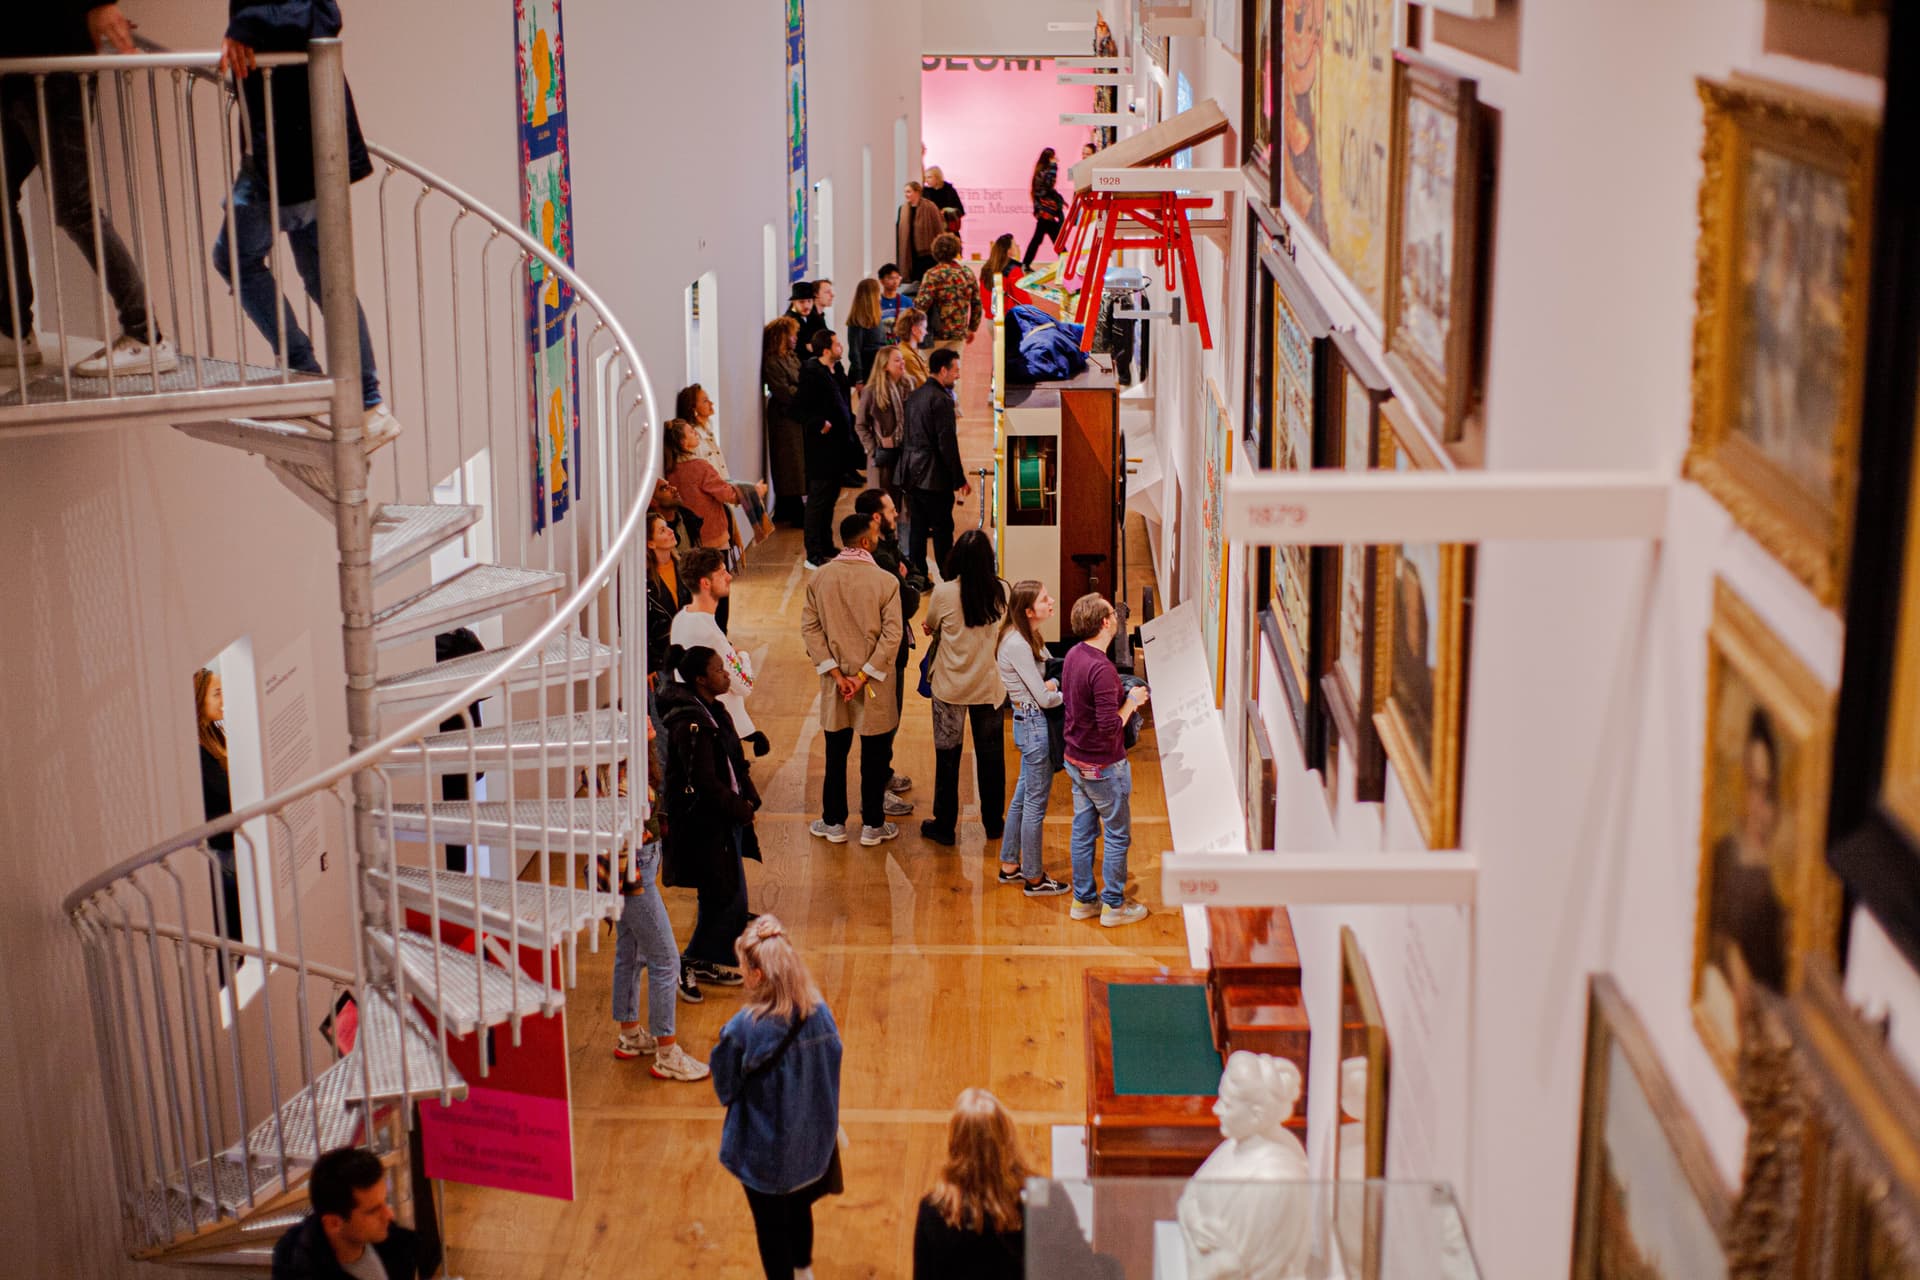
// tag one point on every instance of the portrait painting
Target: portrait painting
(1780, 319)
(1257, 91)
(1336, 119)
(1420, 653)
(1434, 241)
(1650, 1205)
(1765, 896)
(1357, 390)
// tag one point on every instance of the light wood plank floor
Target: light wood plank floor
(939, 977)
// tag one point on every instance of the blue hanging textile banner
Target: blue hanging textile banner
(796, 140)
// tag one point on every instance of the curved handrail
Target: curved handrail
(562, 614)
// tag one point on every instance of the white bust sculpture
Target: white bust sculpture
(1235, 1228)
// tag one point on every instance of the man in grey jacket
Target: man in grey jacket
(930, 469)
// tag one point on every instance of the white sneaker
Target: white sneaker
(833, 833)
(16, 353)
(878, 835)
(895, 807)
(1125, 913)
(672, 1062)
(382, 428)
(628, 1045)
(1085, 910)
(131, 355)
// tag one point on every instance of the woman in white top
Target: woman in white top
(1031, 694)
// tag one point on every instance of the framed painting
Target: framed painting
(1356, 389)
(1420, 653)
(1434, 242)
(1216, 456)
(1336, 106)
(1649, 1203)
(1256, 425)
(1258, 58)
(1361, 1152)
(1873, 829)
(1765, 899)
(1299, 575)
(1780, 320)
(1262, 783)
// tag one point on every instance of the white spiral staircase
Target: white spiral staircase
(220, 1088)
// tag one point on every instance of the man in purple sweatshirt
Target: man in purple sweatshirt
(1097, 763)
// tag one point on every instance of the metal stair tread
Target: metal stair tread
(501, 901)
(595, 825)
(600, 736)
(223, 1183)
(292, 440)
(405, 532)
(455, 997)
(478, 592)
(225, 386)
(427, 685)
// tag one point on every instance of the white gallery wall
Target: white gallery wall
(1587, 678)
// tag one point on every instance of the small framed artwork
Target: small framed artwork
(1780, 320)
(1420, 652)
(1356, 390)
(1649, 1204)
(1874, 806)
(1433, 242)
(1262, 783)
(1299, 575)
(1256, 426)
(1765, 898)
(1259, 59)
(1216, 453)
(1361, 1153)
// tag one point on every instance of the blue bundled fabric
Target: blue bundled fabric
(1046, 350)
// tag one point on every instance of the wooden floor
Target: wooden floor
(940, 978)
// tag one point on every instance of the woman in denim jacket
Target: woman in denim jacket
(777, 1070)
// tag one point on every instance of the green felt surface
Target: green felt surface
(1162, 1043)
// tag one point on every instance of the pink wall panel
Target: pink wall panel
(984, 121)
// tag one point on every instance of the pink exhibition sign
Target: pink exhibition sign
(496, 1138)
(984, 122)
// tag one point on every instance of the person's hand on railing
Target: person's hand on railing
(236, 58)
(107, 27)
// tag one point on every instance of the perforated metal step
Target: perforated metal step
(313, 485)
(466, 993)
(227, 1184)
(479, 592)
(558, 826)
(402, 534)
(532, 914)
(300, 441)
(561, 657)
(196, 391)
(597, 735)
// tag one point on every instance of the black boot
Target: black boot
(943, 826)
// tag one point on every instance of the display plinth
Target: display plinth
(1148, 1134)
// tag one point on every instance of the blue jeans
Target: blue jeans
(1027, 811)
(643, 937)
(1100, 804)
(259, 291)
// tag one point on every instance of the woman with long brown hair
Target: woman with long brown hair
(216, 793)
(1049, 210)
(909, 331)
(964, 612)
(882, 416)
(970, 1224)
(777, 1070)
(1001, 263)
(1020, 655)
(786, 442)
(865, 334)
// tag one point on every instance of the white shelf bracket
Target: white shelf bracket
(1092, 77)
(1319, 879)
(1097, 118)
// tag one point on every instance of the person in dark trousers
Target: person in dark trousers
(930, 468)
(826, 422)
(888, 555)
(286, 26)
(1049, 210)
(710, 802)
(351, 1220)
(802, 311)
(55, 28)
(777, 1071)
(448, 645)
(780, 360)
(667, 593)
(963, 619)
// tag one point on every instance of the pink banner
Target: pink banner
(513, 1141)
(984, 122)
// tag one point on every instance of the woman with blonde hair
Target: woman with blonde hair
(882, 416)
(786, 441)
(909, 331)
(865, 334)
(777, 1071)
(970, 1227)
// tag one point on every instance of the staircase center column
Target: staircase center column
(353, 516)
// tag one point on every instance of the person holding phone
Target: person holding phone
(1096, 754)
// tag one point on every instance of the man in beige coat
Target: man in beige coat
(918, 224)
(852, 625)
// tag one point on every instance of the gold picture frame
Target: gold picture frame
(1358, 610)
(1900, 775)
(1779, 344)
(1635, 1135)
(1420, 653)
(1764, 899)
(1365, 1067)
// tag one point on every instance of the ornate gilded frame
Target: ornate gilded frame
(1610, 1021)
(1443, 392)
(1432, 784)
(1260, 171)
(1351, 708)
(1363, 1033)
(1800, 707)
(1808, 534)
